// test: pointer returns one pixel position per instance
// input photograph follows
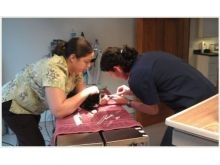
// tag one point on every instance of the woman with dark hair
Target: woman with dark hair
(155, 77)
(45, 85)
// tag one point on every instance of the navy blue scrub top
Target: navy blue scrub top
(161, 77)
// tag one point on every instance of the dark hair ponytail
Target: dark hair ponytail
(58, 47)
(129, 56)
(77, 45)
(113, 56)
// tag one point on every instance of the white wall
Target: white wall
(25, 40)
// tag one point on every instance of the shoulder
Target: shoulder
(156, 54)
(57, 60)
(139, 75)
(56, 63)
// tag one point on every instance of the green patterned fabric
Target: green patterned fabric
(27, 89)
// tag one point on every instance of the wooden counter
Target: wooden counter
(199, 120)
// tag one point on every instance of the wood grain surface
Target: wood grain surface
(204, 115)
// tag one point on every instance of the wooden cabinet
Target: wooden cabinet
(162, 34)
(208, 27)
(147, 120)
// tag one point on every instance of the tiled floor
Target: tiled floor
(155, 132)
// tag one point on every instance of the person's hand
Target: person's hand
(123, 90)
(91, 90)
(119, 100)
(113, 99)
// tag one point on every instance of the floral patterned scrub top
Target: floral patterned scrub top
(27, 89)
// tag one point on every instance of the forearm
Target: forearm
(70, 105)
(148, 109)
(136, 104)
(61, 106)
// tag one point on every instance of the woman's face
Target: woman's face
(79, 65)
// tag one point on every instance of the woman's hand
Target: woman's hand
(124, 90)
(90, 90)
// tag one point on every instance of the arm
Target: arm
(61, 106)
(136, 104)
(148, 109)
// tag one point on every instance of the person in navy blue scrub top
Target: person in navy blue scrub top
(155, 77)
